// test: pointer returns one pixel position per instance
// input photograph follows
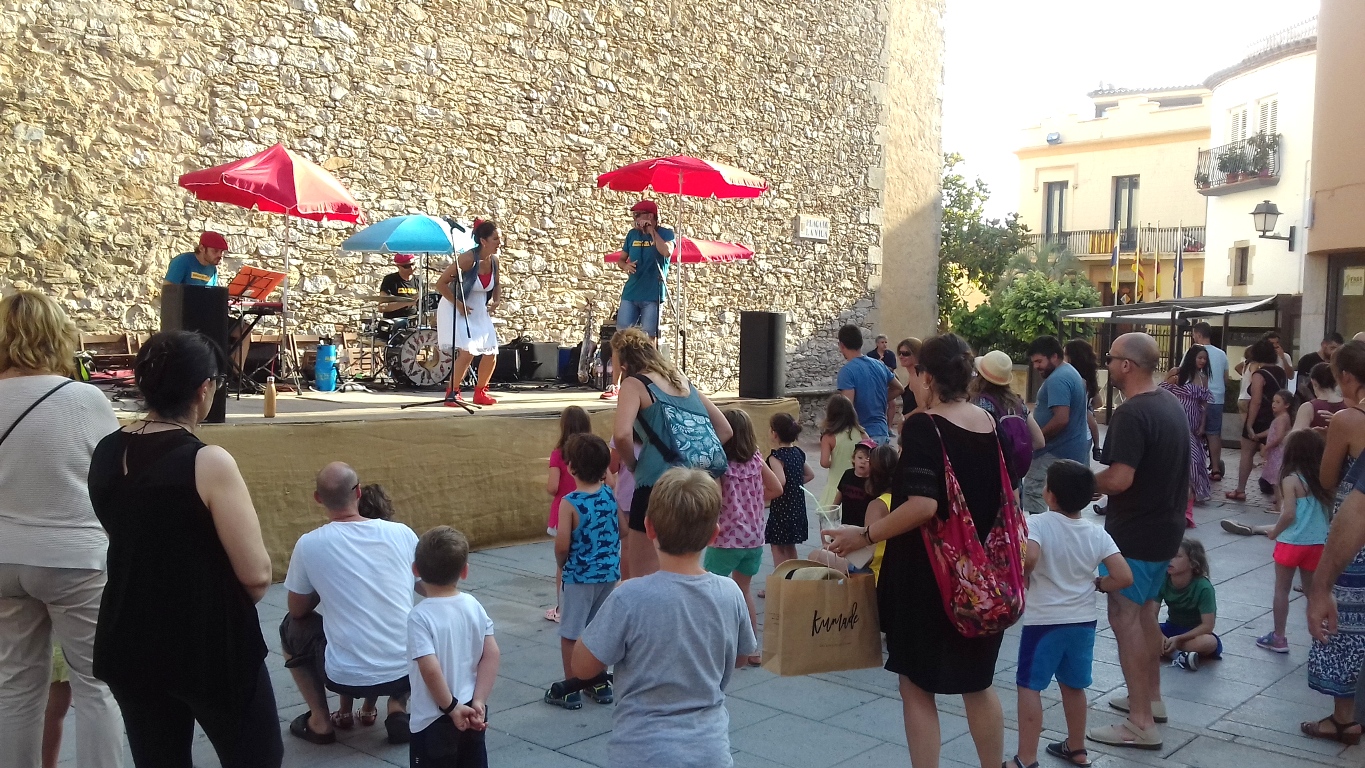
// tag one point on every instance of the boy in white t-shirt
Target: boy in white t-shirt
(454, 658)
(1064, 552)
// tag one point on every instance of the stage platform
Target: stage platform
(483, 473)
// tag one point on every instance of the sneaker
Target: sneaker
(603, 694)
(1273, 642)
(1186, 660)
(1099, 510)
(610, 393)
(572, 701)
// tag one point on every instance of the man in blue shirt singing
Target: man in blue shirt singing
(644, 257)
(1063, 414)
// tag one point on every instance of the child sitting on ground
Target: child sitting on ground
(588, 553)
(572, 421)
(737, 551)
(1192, 609)
(454, 658)
(1273, 451)
(787, 522)
(674, 636)
(1063, 554)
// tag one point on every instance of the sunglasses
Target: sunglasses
(1108, 358)
(219, 379)
(905, 353)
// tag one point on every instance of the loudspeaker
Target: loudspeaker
(762, 354)
(506, 369)
(201, 308)
(539, 362)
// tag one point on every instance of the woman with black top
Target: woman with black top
(1267, 379)
(178, 639)
(924, 648)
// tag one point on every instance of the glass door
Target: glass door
(1054, 209)
(1346, 293)
(1125, 212)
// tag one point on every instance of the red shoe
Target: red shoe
(481, 397)
(454, 399)
(609, 394)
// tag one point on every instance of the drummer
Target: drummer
(402, 284)
(471, 289)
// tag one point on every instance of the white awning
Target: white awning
(1155, 312)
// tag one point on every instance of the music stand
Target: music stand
(254, 283)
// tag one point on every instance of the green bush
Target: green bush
(1025, 309)
(982, 328)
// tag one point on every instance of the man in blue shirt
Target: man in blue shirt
(201, 266)
(1218, 387)
(644, 257)
(1062, 412)
(868, 383)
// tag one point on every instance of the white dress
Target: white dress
(473, 333)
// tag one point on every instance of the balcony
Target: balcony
(1247, 164)
(1090, 243)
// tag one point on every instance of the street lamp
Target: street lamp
(1264, 218)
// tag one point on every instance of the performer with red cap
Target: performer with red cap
(644, 257)
(402, 285)
(199, 267)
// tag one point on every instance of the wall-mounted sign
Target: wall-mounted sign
(812, 228)
(1353, 281)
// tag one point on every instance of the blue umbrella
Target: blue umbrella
(402, 234)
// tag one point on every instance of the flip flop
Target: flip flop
(552, 615)
(1235, 495)
(299, 727)
(1126, 734)
(1060, 749)
(755, 661)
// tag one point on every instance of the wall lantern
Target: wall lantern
(1264, 218)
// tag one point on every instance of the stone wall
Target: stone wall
(487, 108)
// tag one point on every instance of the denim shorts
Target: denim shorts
(1213, 419)
(642, 313)
(1064, 651)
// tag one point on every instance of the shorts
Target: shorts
(305, 642)
(1148, 577)
(1305, 556)
(724, 561)
(1064, 651)
(398, 689)
(578, 604)
(1213, 419)
(642, 313)
(456, 748)
(639, 505)
(1171, 630)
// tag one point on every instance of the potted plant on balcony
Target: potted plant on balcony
(1232, 163)
(1261, 145)
(1201, 180)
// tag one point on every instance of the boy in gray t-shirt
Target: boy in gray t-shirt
(674, 637)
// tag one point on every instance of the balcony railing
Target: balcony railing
(1100, 242)
(1252, 162)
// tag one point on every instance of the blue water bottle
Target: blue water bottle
(325, 369)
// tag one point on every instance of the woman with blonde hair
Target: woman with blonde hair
(52, 549)
(651, 382)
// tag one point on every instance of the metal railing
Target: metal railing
(1100, 242)
(1255, 157)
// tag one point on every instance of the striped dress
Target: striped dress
(1334, 666)
(1194, 398)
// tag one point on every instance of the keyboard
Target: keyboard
(251, 307)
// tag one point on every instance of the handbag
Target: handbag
(820, 620)
(35, 404)
(982, 586)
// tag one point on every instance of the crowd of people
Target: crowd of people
(658, 534)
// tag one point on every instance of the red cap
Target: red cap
(645, 206)
(213, 240)
(402, 259)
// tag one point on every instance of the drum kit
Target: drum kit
(408, 347)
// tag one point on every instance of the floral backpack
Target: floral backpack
(982, 586)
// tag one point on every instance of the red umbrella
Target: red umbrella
(681, 175)
(701, 252)
(276, 181)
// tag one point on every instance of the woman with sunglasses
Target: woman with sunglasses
(178, 639)
(907, 359)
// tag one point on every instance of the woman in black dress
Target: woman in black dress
(178, 639)
(1267, 379)
(923, 647)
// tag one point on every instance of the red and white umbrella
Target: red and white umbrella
(691, 251)
(682, 175)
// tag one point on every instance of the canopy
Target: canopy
(682, 175)
(276, 180)
(701, 252)
(402, 234)
(1170, 309)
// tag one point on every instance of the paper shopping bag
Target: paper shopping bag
(819, 620)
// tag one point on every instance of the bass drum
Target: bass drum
(414, 358)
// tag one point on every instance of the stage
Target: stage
(483, 472)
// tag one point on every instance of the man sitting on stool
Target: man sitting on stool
(404, 286)
(361, 570)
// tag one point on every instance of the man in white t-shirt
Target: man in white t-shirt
(1059, 619)
(1218, 387)
(360, 571)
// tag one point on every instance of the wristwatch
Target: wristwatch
(1099, 580)
(454, 702)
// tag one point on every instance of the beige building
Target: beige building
(1122, 177)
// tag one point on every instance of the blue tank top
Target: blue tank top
(1310, 522)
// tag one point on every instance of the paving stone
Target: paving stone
(805, 696)
(1254, 735)
(1206, 752)
(884, 720)
(799, 742)
(552, 727)
(523, 754)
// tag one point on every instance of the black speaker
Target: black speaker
(762, 354)
(507, 369)
(201, 308)
(539, 362)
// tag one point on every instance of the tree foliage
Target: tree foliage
(974, 250)
(1024, 310)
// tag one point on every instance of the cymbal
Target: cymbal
(384, 298)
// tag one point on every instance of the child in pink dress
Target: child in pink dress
(559, 483)
(1273, 451)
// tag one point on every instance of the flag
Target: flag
(1156, 279)
(1114, 262)
(1179, 259)
(1139, 292)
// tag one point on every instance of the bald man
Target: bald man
(361, 571)
(1147, 448)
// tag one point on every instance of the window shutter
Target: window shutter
(1239, 124)
(1270, 117)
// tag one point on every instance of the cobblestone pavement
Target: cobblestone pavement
(1240, 712)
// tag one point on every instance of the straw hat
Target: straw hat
(995, 366)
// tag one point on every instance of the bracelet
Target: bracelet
(867, 534)
(1099, 581)
(454, 702)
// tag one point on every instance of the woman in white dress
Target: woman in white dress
(470, 291)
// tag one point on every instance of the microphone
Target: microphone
(454, 224)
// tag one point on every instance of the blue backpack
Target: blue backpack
(690, 440)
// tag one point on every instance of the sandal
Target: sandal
(299, 727)
(369, 718)
(1020, 763)
(552, 615)
(1060, 749)
(1235, 495)
(756, 660)
(1215, 477)
(342, 721)
(1339, 731)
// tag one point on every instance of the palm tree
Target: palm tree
(1051, 257)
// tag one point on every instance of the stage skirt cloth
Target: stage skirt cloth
(475, 333)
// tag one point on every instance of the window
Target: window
(1054, 206)
(1241, 265)
(1267, 116)
(1125, 211)
(1237, 120)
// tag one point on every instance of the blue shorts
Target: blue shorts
(1171, 630)
(1148, 576)
(642, 313)
(1065, 651)
(1213, 419)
